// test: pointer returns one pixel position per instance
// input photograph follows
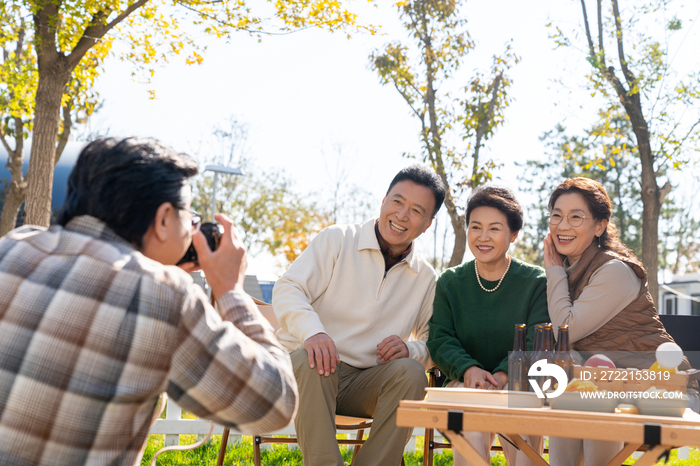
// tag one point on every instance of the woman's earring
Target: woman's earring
(599, 241)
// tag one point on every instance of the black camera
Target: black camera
(212, 232)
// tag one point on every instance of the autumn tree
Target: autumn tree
(631, 66)
(472, 115)
(264, 204)
(607, 153)
(18, 75)
(16, 107)
(66, 35)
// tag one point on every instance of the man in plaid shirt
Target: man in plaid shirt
(96, 321)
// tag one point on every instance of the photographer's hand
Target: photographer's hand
(189, 267)
(225, 267)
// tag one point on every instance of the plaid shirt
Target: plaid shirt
(91, 332)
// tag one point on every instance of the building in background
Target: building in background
(680, 296)
(60, 172)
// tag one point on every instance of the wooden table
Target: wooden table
(660, 433)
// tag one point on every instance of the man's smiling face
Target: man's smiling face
(407, 211)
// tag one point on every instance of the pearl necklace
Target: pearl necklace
(499, 281)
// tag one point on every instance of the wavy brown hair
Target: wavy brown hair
(600, 206)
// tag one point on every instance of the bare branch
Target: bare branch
(96, 30)
(600, 34)
(629, 77)
(238, 28)
(608, 72)
(5, 144)
(662, 149)
(416, 89)
(692, 128)
(483, 125)
(19, 139)
(20, 42)
(19, 125)
(591, 47)
(407, 97)
(67, 125)
(677, 149)
(663, 191)
(13, 155)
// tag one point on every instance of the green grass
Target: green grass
(241, 453)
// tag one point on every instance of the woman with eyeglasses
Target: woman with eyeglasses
(598, 287)
(477, 305)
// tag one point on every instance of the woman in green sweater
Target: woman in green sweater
(478, 304)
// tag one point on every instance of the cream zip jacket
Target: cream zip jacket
(338, 286)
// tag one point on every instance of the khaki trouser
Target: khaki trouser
(576, 452)
(373, 392)
(482, 441)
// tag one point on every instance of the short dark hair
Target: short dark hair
(124, 182)
(499, 198)
(425, 177)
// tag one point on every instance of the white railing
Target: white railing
(173, 426)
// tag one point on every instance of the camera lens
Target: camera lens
(212, 232)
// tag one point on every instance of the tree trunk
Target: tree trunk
(460, 245)
(651, 194)
(434, 146)
(650, 225)
(17, 187)
(54, 73)
(10, 209)
(43, 152)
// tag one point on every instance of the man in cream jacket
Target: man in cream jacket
(348, 307)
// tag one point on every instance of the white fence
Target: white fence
(173, 426)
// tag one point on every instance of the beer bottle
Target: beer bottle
(517, 361)
(539, 341)
(537, 347)
(562, 355)
(547, 342)
(545, 352)
(548, 335)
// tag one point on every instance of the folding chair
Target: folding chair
(342, 422)
(430, 445)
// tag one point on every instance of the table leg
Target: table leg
(651, 456)
(527, 449)
(465, 448)
(624, 454)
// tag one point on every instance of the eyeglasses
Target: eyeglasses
(196, 221)
(574, 220)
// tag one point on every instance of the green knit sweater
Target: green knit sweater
(471, 327)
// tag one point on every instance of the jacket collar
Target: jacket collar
(96, 228)
(368, 240)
